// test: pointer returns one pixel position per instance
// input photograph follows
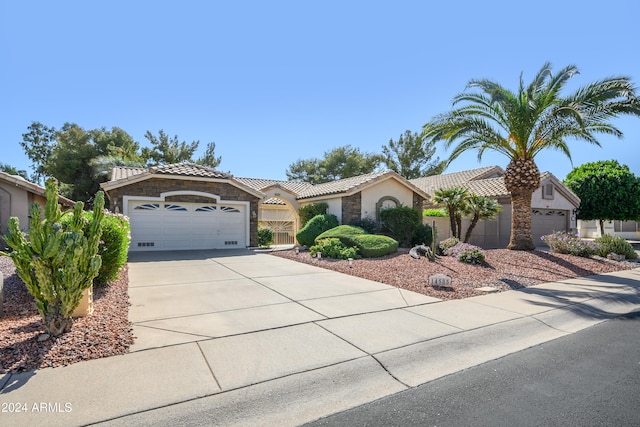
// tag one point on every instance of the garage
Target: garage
(546, 221)
(183, 226)
(184, 206)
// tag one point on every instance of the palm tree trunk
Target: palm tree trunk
(521, 236)
(472, 225)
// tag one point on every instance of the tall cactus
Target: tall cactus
(56, 263)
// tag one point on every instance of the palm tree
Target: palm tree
(480, 207)
(455, 201)
(523, 123)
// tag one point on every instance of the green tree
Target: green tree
(11, 170)
(480, 208)
(454, 200)
(339, 163)
(209, 157)
(38, 143)
(167, 150)
(607, 191)
(534, 118)
(411, 156)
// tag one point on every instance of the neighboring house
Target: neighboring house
(626, 229)
(188, 206)
(553, 204)
(16, 197)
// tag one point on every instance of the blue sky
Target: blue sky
(271, 82)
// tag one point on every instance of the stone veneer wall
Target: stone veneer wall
(351, 208)
(418, 201)
(155, 186)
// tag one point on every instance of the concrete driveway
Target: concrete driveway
(180, 297)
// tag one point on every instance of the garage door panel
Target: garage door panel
(546, 221)
(175, 226)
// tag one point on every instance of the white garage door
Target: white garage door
(182, 226)
(546, 221)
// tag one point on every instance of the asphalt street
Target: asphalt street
(590, 378)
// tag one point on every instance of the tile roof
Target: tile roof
(341, 185)
(189, 169)
(31, 187)
(261, 184)
(430, 184)
(122, 172)
(488, 187)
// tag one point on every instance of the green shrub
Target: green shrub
(374, 246)
(435, 212)
(617, 245)
(402, 222)
(343, 232)
(311, 210)
(334, 248)
(447, 244)
(265, 236)
(467, 253)
(423, 235)
(316, 225)
(562, 242)
(367, 224)
(113, 246)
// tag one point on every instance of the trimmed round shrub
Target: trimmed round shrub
(343, 232)
(316, 225)
(334, 248)
(374, 246)
(265, 236)
(617, 245)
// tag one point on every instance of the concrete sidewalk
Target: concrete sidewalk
(254, 339)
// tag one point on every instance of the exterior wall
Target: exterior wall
(156, 186)
(14, 201)
(390, 187)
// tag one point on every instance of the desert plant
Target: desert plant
(447, 243)
(368, 224)
(318, 224)
(114, 243)
(617, 245)
(562, 242)
(374, 246)
(467, 253)
(402, 222)
(57, 264)
(334, 248)
(343, 232)
(311, 210)
(265, 237)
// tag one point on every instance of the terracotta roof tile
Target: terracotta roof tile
(261, 184)
(189, 169)
(341, 185)
(430, 184)
(122, 172)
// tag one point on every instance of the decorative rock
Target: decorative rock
(488, 289)
(616, 257)
(422, 250)
(43, 337)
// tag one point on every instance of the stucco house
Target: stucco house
(189, 206)
(553, 205)
(16, 197)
